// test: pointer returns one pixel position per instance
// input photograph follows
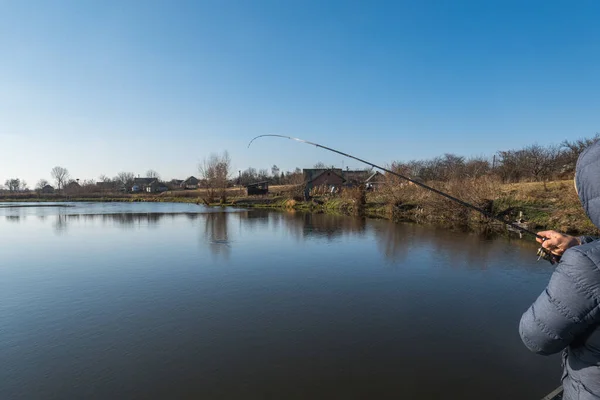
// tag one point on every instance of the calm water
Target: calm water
(160, 301)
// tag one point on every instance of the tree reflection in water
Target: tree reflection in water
(216, 234)
(396, 242)
(455, 249)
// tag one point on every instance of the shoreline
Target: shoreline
(553, 205)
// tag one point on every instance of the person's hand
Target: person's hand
(556, 242)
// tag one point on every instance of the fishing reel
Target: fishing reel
(544, 254)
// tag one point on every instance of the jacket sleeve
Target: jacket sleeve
(567, 307)
(587, 239)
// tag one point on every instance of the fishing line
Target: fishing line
(542, 253)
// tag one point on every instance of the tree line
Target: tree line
(531, 163)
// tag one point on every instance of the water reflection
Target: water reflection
(216, 234)
(60, 224)
(475, 251)
(395, 242)
(137, 284)
(305, 225)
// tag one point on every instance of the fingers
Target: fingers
(546, 235)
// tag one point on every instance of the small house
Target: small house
(175, 184)
(47, 189)
(355, 178)
(156, 187)
(190, 183)
(258, 188)
(140, 184)
(72, 187)
(323, 177)
(329, 179)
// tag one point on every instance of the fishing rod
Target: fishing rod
(541, 252)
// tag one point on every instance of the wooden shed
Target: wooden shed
(257, 188)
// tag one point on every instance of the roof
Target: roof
(191, 178)
(48, 187)
(357, 176)
(310, 174)
(258, 183)
(143, 181)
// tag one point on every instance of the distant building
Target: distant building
(156, 187)
(320, 177)
(72, 187)
(47, 189)
(329, 180)
(140, 184)
(175, 184)
(355, 178)
(190, 183)
(258, 188)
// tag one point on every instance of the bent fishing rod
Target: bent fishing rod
(541, 253)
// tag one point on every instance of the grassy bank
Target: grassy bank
(551, 206)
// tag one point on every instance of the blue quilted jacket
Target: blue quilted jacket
(566, 316)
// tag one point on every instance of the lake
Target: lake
(160, 300)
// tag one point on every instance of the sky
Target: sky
(100, 87)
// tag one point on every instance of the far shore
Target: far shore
(551, 206)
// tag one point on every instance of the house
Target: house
(140, 184)
(356, 178)
(174, 184)
(72, 187)
(47, 189)
(330, 179)
(190, 183)
(323, 177)
(156, 187)
(258, 188)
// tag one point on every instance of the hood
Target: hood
(587, 181)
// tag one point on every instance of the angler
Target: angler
(566, 316)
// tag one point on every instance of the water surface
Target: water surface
(178, 301)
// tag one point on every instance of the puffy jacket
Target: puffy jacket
(566, 316)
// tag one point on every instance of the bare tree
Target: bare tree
(476, 167)
(215, 170)
(320, 165)
(152, 174)
(125, 179)
(248, 176)
(103, 178)
(275, 174)
(571, 152)
(263, 175)
(60, 175)
(15, 185)
(540, 162)
(41, 183)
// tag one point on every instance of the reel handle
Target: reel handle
(544, 254)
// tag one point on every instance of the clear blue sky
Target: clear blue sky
(106, 86)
